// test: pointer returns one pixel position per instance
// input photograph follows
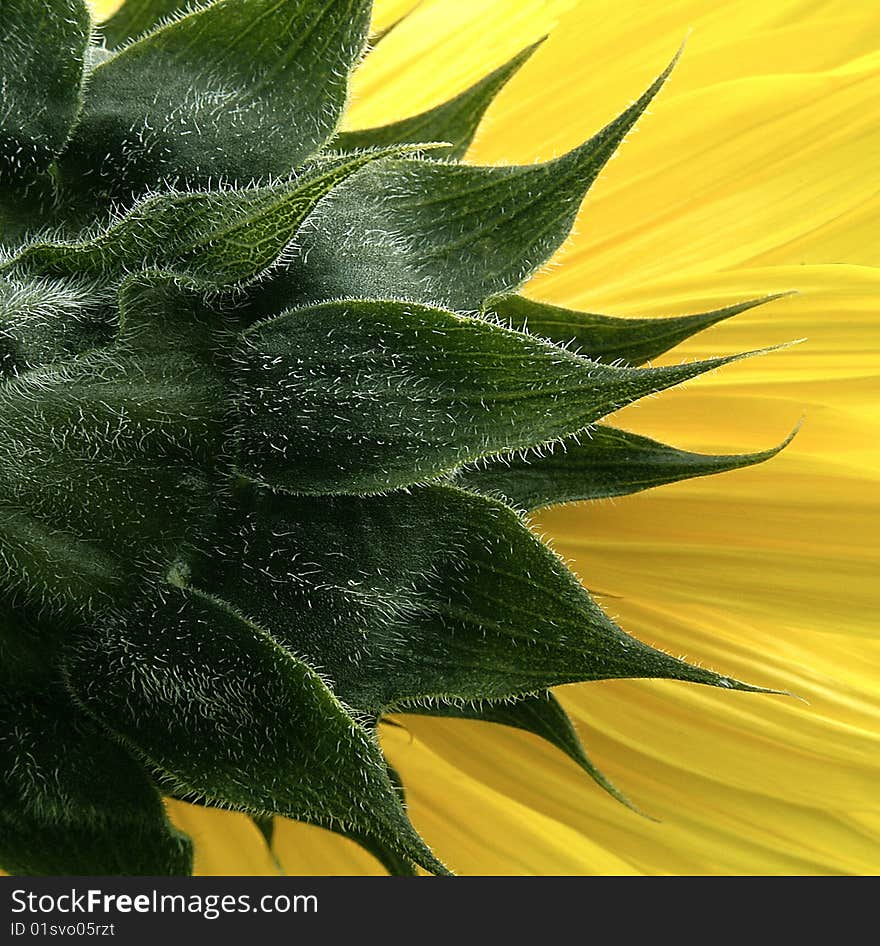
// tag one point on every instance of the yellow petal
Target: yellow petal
(707, 826)
(101, 9)
(793, 547)
(226, 843)
(730, 175)
(385, 12)
(481, 830)
(303, 849)
(388, 13)
(440, 49)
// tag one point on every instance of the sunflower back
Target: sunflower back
(274, 416)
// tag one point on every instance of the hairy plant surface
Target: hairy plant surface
(273, 420)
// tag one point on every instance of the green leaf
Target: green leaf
(73, 802)
(608, 462)
(220, 237)
(608, 339)
(266, 826)
(42, 57)
(388, 856)
(25, 211)
(455, 121)
(46, 320)
(428, 593)
(444, 234)
(136, 17)
(109, 463)
(397, 864)
(536, 713)
(241, 90)
(365, 396)
(29, 640)
(50, 569)
(214, 701)
(171, 317)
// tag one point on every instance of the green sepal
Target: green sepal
(74, 802)
(29, 642)
(50, 569)
(445, 234)
(42, 59)
(366, 396)
(45, 320)
(220, 94)
(167, 315)
(606, 338)
(265, 824)
(25, 211)
(455, 121)
(537, 713)
(220, 237)
(137, 17)
(110, 462)
(397, 864)
(429, 593)
(606, 462)
(211, 699)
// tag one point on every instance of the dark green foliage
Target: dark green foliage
(269, 408)
(607, 339)
(42, 320)
(219, 237)
(46, 567)
(24, 638)
(445, 234)
(136, 17)
(40, 98)
(537, 713)
(107, 461)
(360, 397)
(72, 801)
(184, 672)
(241, 90)
(430, 593)
(42, 57)
(388, 855)
(607, 462)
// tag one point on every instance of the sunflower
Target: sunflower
(755, 175)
